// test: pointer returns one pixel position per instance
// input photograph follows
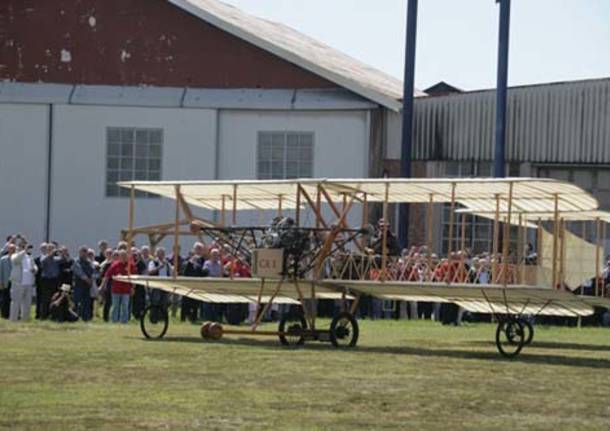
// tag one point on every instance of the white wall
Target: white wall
(23, 169)
(341, 140)
(80, 212)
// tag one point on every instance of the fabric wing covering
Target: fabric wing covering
(579, 266)
(225, 290)
(478, 299)
(476, 194)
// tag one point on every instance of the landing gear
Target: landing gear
(511, 337)
(154, 321)
(344, 330)
(292, 330)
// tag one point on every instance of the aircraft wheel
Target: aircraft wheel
(510, 337)
(528, 330)
(154, 321)
(292, 327)
(344, 330)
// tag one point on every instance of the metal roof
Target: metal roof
(301, 50)
(478, 194)
(566, 122)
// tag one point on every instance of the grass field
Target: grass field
(402, 376)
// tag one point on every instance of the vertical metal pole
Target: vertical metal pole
(407, 115)
(502, 89)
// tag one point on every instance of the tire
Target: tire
(344, 330)
(510, 338)
(294, 325)
(529, 331)
(528, 336)
(154, 322)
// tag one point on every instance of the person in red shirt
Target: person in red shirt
(121, 291)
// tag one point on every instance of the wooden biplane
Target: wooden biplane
(309, 251)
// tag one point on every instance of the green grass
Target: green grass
(402, 375)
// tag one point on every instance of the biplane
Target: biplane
(309, 251)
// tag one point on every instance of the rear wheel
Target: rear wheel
(292, 328)
(510, 338)
(154, 321)
(344, 330)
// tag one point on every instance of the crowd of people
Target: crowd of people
(64, 288)
(67, 289)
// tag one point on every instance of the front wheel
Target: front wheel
(154, 321)
(344, 330)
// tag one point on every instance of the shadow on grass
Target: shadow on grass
(555, 345)
(524, 357)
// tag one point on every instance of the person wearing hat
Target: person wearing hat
(62, 307)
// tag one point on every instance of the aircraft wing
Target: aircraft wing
(226, 290)
(479, 298)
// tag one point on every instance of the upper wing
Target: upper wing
(479, 298)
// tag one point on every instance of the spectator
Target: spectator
(84, 274)
(213, 265)
(5, 281)
(121, 290)
(142, 260)
(65, 266)
(213, 268)
(50, 271)
(102, 247)
(62, 307)
(162, 268)
(43, 252)
(193, 268)
(105, 288)
(23, 273)
(9, 240)
(94, 290)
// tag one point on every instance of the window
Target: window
(284, 155)
(132, 155)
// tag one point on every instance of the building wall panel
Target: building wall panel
(80, 211)
(23, 169)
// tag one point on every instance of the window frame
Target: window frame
(128, 157)
(266, 137)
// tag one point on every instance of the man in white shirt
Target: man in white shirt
(23, 278)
